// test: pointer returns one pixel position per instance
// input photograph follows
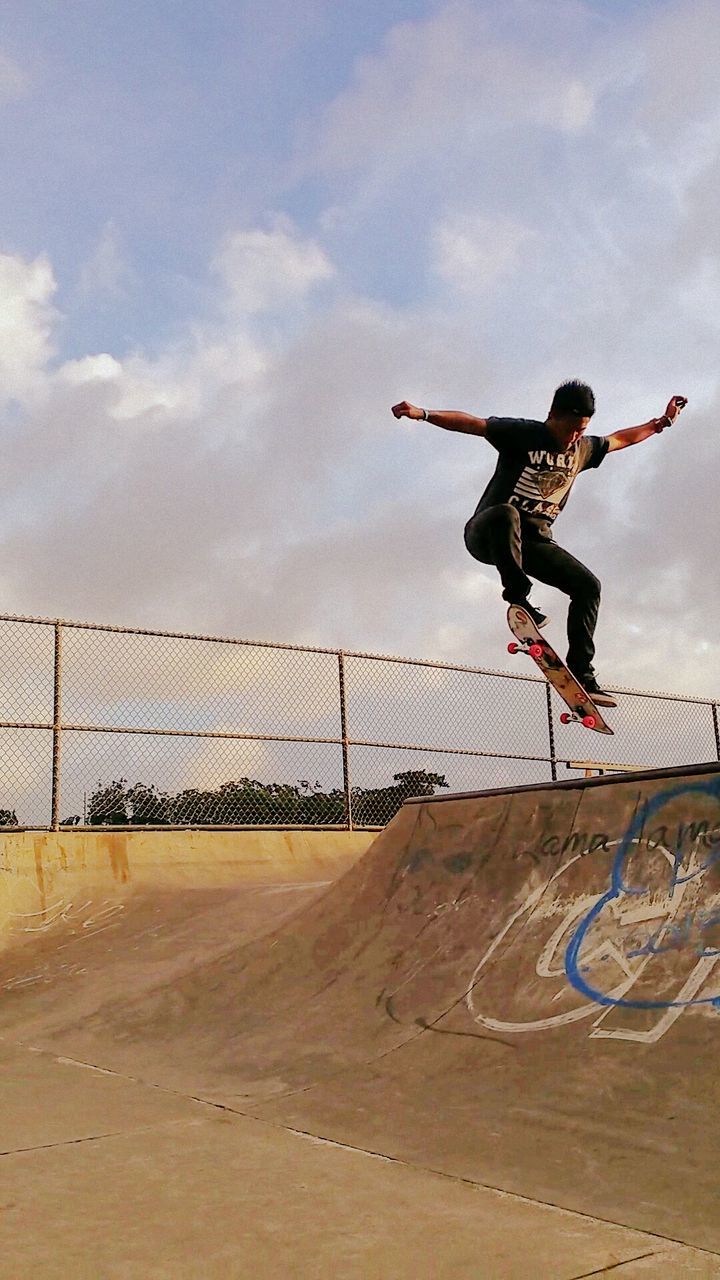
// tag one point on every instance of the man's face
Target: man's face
(567, 428)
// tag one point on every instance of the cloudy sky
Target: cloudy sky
(232, 234)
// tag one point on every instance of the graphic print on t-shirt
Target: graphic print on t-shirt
(545, 482)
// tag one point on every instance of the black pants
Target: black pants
(496, 536)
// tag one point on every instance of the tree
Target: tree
(247, 802)
(377, 806)
(108, 805)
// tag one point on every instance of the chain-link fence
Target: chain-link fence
(107, 726)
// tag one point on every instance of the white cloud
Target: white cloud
(14, 81)
(440, 85)
(677, 58)
(107, 270)
(100, 368)
(177, 384)
(575, 107)
(473, 252)
(27, 319)
(264, 269)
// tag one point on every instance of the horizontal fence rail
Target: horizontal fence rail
(106, 726)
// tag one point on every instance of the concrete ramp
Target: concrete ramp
(517, 988)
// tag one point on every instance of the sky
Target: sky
(233, 234)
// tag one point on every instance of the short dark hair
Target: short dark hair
(574, 398)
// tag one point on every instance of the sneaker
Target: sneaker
(540, 619)
(598, 695)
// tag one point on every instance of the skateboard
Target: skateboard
(529, 640)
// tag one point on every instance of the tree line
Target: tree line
(247, 802)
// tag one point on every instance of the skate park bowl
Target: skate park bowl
(482, 1043)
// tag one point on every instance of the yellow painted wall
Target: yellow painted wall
(41, 872)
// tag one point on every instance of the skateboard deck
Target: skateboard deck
(529, 640)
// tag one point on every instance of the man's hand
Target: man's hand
(633, 435)
(406, 410)
(675, 404)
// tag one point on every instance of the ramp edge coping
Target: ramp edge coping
(575, 784)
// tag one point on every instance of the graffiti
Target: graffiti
(629, 880)
(681, 934)
(679, 836)
(85, 915)
(82, 919)
(629, 956)
(551, 845)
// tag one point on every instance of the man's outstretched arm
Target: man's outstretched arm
(448, 419)
(633, 435)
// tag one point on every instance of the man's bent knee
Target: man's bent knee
(585, 586)
(477, 544)
(489, 529)
(491, 521)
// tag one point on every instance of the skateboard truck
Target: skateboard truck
(529, 646)
(566, 717)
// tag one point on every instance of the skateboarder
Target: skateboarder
(512, 525)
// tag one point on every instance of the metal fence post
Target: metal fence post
(57, 729)
(345, 744)
(551, 735)
(715, 727)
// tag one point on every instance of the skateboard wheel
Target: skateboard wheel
(589, 722)
(565, 717)
(513, 646)
(535, 651)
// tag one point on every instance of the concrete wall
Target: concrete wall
(42, 872)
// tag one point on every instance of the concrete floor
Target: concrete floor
(218, 1062)
(103, 1176)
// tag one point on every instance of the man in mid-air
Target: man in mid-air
(512, 525)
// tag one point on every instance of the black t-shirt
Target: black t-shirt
(532, 473)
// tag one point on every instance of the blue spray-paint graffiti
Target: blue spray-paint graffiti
(620, 887)
(679, 935)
